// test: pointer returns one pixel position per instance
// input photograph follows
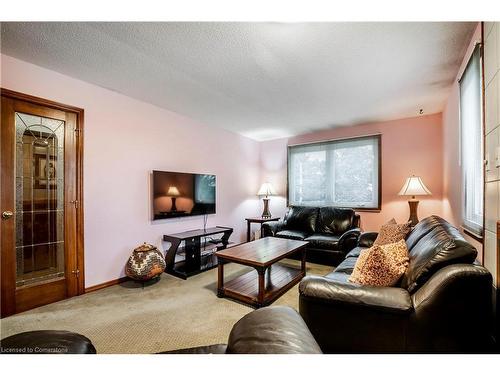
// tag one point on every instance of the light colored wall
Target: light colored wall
(409, 146)
(452, 173)
(125, 139)
(492, 143)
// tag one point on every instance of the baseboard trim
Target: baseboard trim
(106, 284)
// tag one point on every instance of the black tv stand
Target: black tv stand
(194, 261)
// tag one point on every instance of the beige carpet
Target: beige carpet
(170, 314)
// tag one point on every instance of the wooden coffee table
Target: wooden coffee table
(269, 279)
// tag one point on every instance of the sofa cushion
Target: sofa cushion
(292, 234)
(381, 265)
(392, 232)
(323, 241)
(335, 220)
(442, 246)
(301, 218)
(422, 228)
(354, 253)
(347, 266)
(339, 277)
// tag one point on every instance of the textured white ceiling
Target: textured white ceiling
(262, 80)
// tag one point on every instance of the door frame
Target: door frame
(79, 112)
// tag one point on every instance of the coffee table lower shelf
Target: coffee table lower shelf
(278, 279)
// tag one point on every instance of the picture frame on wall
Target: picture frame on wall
(45, 170)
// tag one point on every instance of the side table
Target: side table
(258, 220)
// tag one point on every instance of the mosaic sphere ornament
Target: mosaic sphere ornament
(145, 263)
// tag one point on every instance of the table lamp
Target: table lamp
(266, 190)
(414, 186)
(173, 192)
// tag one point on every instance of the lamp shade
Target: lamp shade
(414, 186)
(173, 191)
(266, 189)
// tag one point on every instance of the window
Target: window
(471, 135)
(342, 173)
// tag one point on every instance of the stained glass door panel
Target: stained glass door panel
(39, 199)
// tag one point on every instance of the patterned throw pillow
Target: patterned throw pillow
(381, 265)
(392, 232)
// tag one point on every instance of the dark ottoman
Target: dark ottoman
(47, 342)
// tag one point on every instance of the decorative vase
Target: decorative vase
(145, 263)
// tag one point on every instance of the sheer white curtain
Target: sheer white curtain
(343, 173)
(471, 134)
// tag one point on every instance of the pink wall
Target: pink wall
(409, 146)
(452, 173)
(125, 139)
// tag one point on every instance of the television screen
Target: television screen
(182, 194)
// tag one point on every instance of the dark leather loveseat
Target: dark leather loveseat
(442, 304)
(330, 231)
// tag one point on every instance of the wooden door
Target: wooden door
(41, 205)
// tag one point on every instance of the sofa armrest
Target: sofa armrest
(366, 239)
(272, 330)
(351, 318)
(349, 240)
(449, 301)
(270, 228)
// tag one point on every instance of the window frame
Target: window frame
(475, 230)
(377, 137)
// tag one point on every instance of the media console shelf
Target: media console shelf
(194, 261)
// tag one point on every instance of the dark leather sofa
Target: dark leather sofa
(330, 231)
(270, 330)
(442, 304)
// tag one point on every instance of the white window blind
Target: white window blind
(342, 173)
(471, 135)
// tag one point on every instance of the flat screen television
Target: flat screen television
(178, 194)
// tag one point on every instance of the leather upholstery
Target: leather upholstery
(334, 220)
(349, 239)
(47, 342)
(301, 218)
(354, 253)
(340, 277)
(270, 228)
(331, 232)
(347, 266)
(270, 330)
(323, 241)
(421, 229)
(440, 247)
(208, 349)
(366, 239)
(292, 234)
(394, 300)
(453, 311)
(349, 318)
(444, 303)
(321, 256)
(275, 329)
